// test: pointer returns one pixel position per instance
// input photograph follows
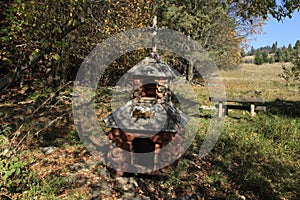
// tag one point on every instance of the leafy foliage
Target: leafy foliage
(210, 23)
(292, 74)
(53, 37)
(14, 174)
(258, 59)
(277, 9)
(47, 40)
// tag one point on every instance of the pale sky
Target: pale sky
(285, 32)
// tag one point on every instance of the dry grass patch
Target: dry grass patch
(252, 80)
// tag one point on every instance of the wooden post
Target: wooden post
(252, 110)
(154, 35)
(220, 110)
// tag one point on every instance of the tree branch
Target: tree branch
(8, 80)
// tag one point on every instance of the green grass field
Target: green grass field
(263, 78)
(259, 157)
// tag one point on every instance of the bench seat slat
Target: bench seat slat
(237, 99)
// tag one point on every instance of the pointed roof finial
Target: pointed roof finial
(154, 48)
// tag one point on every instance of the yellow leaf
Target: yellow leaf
(56, 56)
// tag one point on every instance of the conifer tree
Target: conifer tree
(258, 58)
(274, 47)
(278, 56)
(265, 58)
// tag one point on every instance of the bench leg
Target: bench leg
(220, 110)
(252, 110)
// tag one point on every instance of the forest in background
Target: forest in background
(44, 42)
(272, 54)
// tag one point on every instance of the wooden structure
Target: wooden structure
(148, 122)
(250, 104)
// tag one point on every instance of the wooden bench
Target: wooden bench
(251, 104)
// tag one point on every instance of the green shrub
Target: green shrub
(14, 174)
(292, 74)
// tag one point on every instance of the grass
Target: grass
(261, 155)
(264, 79)
(254, 158)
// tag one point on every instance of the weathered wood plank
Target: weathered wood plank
(237, 99)
(242, 107)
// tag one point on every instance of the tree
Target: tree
(292, 74)
(215, 26)
(297, 44)
(47, 40)
(296, 51)
(248, 9)
(258, 58)
(274, 47)
(290, 48)
(32, 31)
(283, 48)
(252, 51)
(243, 53)
(265, 58)
(278, 56)
(271, 60)
(287, 55)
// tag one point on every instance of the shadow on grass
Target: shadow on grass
(43, 124)
(255, 174)
(284, 108)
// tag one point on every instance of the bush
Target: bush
(258, 59)
(292, 74)
(271, 60)
(14, 174)
(265, 58)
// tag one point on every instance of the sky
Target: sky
(284, 32)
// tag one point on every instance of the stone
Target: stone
(78, 166)
(47, 150)
(127, 183)
(132, 196)
(95, 195)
